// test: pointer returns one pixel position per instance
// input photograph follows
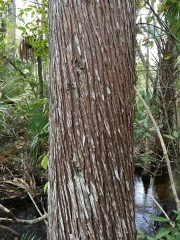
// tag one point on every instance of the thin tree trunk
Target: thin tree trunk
(147, 61)
(91, 179)
(40, 77)
(167, 84)
(11, 30)
(167, 94)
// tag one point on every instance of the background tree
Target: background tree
(92, 72)
(158, 31)
(11, 27)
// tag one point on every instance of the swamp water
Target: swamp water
(146, 189)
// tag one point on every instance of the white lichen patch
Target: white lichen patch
(81, 193)
(93, 191)
(77, 44)
(107, 128)
(117, 174)
(97, 75)
(127, 184)
(108, 90)
(124, 226)
(93, 96)
(83, 141)
(69, 120)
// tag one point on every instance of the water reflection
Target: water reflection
(145, 205)
(147, 188)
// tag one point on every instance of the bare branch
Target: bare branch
(162, 210)
(163, 24)
(22, 221)
(8, 212)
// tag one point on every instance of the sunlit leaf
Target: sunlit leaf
(22, 29)
(169, 136)
(44, 162)
(163, 232)
(159, 219)
(175, 134)
(177, 235)
(45, 187)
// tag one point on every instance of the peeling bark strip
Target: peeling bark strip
(92, 73)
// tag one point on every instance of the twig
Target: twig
(152, 25)
(20, 183)
(8, 212)
(19, 70)
(177, 171)
(161, 21)
(36, 206)
(22, 221)
(162, 210)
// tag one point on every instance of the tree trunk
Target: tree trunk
(167, 83)
(11, 30)
(40, 77)
(167, 94)
(92, 71)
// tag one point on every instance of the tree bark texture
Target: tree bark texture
(92, 71)
(167, 84)
(167, 92)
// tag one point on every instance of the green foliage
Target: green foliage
(159, 219)
(145, 159)
(27, 118)
(45, 187)
(36, 113)
(44, 162)
(11, 125)
(171, 10)
(36, 30)
(3, 26)
(178, 214)
(29, 236)
(23, 117)
(173, 136)
(140, 235)
(140, 4)
(171, 232)
(16, 97)
(142, 128)
(163, 232)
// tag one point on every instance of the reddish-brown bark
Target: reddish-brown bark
(91, 190)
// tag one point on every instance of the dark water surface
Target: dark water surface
(23, 209)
